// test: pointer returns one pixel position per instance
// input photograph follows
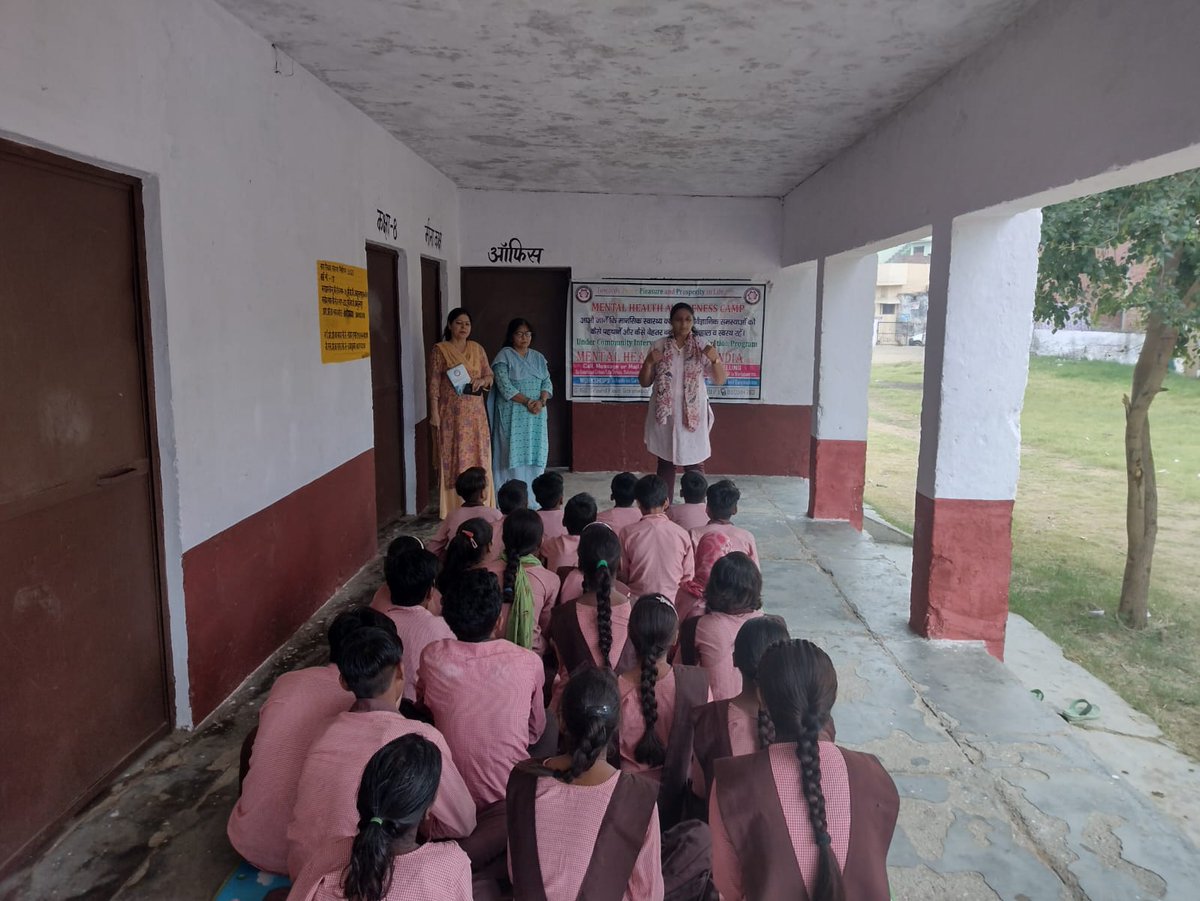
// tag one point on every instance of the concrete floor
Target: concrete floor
(1000, 797)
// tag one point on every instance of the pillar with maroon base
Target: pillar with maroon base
(841, 374)
(981, 289)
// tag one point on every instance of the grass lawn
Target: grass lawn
(1069, 522)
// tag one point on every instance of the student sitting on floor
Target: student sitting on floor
(624, 510)
(410, 580)
(485, 693)
(399, 545)
(574, 820)
(513, 495)
(657, 555)
(325, 809)
(723, 497)
(693, 512)
(469, 549)
(548, 492)
(733, 596)
(528, 588)
(563, 552)
(657, 701)
(384, 862)
(822, 818)
(737, 725)
(470, 485)
(299, 707)
(689, 600)
(593, 628)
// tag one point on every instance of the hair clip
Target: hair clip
(599, 710)
(378, 821)
(663, 599)
(600, 563)
(420, 542)
(471, 536)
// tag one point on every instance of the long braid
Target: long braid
(511, 565)
(766, 729)
(591, 712)
(587, 750)
(653, 628)
(808, 752)
(604, 582)
(650, 750)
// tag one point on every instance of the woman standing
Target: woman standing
(680, 418)
(459, 419)
(520, 442)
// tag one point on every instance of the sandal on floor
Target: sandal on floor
(1080, 710)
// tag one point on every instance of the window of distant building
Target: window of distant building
(887, 309)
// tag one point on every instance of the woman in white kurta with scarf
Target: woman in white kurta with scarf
(680, 416)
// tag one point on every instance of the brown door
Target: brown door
(494, 296)
(83, 678)
(431, 331)
(383, 302)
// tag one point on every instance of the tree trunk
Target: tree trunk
(1141, 511)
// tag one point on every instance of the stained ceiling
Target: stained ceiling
(723, 98)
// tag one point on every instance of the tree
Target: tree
(1134, 248)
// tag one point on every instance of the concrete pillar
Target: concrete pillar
(980, 323)
(841, 374)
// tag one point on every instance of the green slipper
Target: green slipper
(1080, 710)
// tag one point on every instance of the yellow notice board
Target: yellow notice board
(342, 301)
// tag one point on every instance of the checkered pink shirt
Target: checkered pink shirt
(741, 539)
(327, 797)
(545, 585)
(688, 516)
(633, 723)
(619, 517)
(591, 634)
(486, 698)
(455, 518)
(561, 551)
(298, 709)
(656, 556)
(715, 633)
(552, 524)
(835, 785)
(416, 627)
(568, 821)
(436, 871)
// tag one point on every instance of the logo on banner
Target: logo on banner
(752, 295)
(583, 294)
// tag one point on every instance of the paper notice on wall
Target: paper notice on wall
(613, 324)
(342, 304)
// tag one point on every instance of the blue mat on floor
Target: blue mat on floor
(247, 883)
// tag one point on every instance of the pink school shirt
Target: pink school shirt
(741, 539)
(567, 819)
(299, 708)
(561, 551)
(455, 518)
(435, 871)
(552, 524)
(327, 797)
(619, 517)
(688, 516)
(545, 585)
(416, 627)
(715, 633)
(633, 722)
(785, 770)
(586, 616)
(486, 698)
(656, 556)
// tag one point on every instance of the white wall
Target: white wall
(1066, 102)
(251, 177)
(1117, 347)
(608, 235)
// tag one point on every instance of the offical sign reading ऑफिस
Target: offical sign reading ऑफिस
(613, 324)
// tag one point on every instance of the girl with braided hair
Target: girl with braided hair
(383, 862)
(575, 820)
(737, 725)
(732, 597)
(824, 816)
(657, 700)
(527, 588)
(470, 548)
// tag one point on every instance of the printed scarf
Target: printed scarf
(520, 618)
(693, 382)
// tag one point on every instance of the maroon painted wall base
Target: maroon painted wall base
(962, 563)
(835, 490)
(248, 588)
(747, 439)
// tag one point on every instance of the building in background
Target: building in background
(902, 293)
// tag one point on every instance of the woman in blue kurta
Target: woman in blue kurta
(520, 442)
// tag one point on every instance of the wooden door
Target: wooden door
(494, 296)
(83, 671)
(383, 303)
(431, 332)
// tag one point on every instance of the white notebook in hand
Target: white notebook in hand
(459, 377)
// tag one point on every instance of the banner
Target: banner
(613, 324)
(342, 311)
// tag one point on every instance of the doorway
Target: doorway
(431, 333)
(387, 398)
(493, 297)
(84, 676)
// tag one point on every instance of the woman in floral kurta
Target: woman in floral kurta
(459, 420)
(520, 442)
